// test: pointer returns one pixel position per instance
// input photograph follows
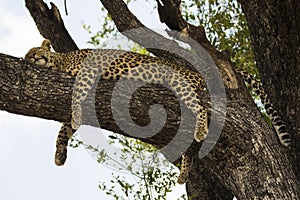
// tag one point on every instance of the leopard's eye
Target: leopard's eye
(45, 58)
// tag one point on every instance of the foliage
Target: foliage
(152, 175)
(107, 30)
(225, 27)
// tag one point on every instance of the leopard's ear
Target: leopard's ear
(46, 44)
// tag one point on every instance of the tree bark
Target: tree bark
(275, 34)
(246, 162)
(51, 25)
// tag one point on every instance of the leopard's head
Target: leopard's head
(39, 55)
(44, 56)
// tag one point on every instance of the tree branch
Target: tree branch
(51, 25)
(170, 14)
(37, 91)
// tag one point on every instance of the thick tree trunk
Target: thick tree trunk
(247, 161)
(275, 33)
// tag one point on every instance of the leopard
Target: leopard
(114, 64)
(88, 64)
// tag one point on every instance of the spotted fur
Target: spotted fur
(185, 167)
(63, 138)
(277, 123)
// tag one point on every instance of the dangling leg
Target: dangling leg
(63, 137)
(185, 167)
(186, 92)
(85, 80)
(201, 125)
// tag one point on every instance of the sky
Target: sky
(27, 144)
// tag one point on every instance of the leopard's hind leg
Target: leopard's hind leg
(185, 167)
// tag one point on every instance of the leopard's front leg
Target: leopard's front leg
(85, 80)
(64, 135)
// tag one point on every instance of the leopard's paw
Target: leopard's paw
(182, 178)
(61, 155)
(201, 131)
